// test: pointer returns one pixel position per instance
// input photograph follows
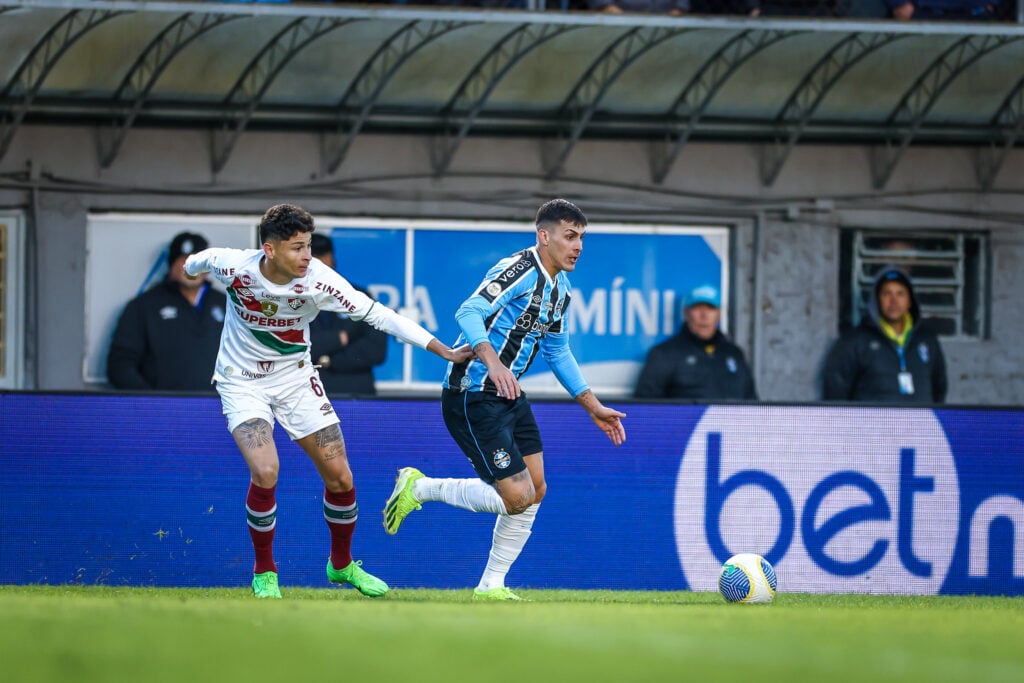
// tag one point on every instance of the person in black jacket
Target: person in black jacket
(893, 355)
(167, 337)
(700, 362)
(345, 350)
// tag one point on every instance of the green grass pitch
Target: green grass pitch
(84, 634)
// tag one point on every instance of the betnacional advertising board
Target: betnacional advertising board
(150, 490)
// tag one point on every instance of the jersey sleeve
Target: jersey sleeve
(556, 351)
(491, 295)
(218, 261)
(335, 293)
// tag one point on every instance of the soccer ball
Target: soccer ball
(747, 578)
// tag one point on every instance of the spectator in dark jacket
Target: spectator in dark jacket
(893, 355)
(345, 350)
(700, 362)
(672, 7)
(167, 337)
(949, 10)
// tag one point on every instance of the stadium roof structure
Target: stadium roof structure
(345, 70)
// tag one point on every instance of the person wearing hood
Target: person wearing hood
(893, 355)
(167, 337)
(700, 362)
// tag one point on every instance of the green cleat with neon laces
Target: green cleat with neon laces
(501, 594)
(362, 581)
(265, 585)
(402, 500)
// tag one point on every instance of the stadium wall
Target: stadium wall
(149, 490)
(786, 237)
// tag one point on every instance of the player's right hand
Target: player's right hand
(461, 354)
(504, 380)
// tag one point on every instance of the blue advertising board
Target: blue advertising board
(151, 490)
(627, 289)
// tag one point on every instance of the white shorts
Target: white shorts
(301, 406)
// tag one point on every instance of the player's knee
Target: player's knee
(340, 483)
(539, 490)
(264, 476)
(517, 500)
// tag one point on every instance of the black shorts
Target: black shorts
(494, 433)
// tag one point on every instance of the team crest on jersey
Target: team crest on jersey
(298, 288)
(502, 459)
(269, 308)
(266, 366)
(246, 279)
(327, 408)
(296, 304)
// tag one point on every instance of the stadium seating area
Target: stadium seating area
(930, 10)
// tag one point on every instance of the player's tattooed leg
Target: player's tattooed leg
(330, 442)
(254, 433)
(522, 496)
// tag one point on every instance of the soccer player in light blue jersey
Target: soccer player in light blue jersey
(518, 311)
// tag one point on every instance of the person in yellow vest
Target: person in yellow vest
(893, 356)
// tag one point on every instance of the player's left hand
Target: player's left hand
(609, 421)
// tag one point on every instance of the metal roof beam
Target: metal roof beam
(33, 70)
(694, 99)
(467, 102)
(258, 76)
(364, 90)
(794, 116)
(908, 116)
(588, 92)
(143, 74)
(1007, 122)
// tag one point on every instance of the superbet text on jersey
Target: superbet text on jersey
(266, 331)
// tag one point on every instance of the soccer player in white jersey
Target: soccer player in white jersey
(263, 372)
(519, 309)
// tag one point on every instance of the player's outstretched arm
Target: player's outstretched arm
(457, 355)
(608, 420)
(197, 265)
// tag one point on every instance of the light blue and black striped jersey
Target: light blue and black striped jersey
(521, 310)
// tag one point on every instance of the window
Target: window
(10, 302)
(949, 270)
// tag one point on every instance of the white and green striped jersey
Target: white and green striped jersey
(266, 330)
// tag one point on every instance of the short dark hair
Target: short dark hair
(557, 211)
(282, 221)
(320, 245)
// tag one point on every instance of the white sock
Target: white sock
(510, 534)
(468, 494)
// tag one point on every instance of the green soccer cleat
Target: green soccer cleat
(497, 595)
(265, 585)
(402, 500)
(362, 581)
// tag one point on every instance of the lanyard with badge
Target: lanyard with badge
(906, 380)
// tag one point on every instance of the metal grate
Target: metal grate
(949, 271)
